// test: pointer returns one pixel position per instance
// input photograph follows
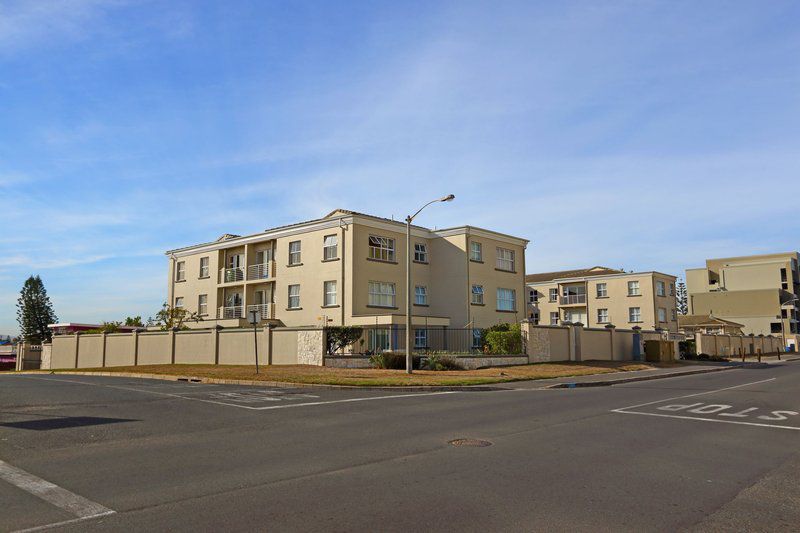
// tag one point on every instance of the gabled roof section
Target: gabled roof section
(705, 320)
(579, 273)
(227, 236)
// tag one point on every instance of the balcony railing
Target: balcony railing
(261, 271)
(231, 312)
(229, 275)
(573, 299)
(263, 309)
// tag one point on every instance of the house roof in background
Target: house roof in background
(705, 320)
(578, 273)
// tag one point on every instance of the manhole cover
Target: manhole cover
(474, 443)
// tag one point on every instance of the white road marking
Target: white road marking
(245, 406)
(53, 494)
(693, 395)
(707, 419)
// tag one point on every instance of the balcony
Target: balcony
(230, 312)
(264, 309)
(573, 299)
(261, 271)
(231, 275)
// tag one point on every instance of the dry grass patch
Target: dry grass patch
(380, 377)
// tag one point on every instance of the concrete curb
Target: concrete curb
(281, 384)
(609, 382)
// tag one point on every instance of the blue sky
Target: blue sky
(635, 134)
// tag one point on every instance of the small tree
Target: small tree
(682, 298)
(173, 317)
(34, 311)
(135, 321)
(339, 337)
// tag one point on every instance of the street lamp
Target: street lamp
(783, 325)
(409, 219)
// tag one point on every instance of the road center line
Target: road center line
(692, 395)
(52, 493)
(707, 419)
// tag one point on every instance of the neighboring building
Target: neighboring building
(758, 291)
(348, 268)
(68, 328)
(707, 325)
(599, 296)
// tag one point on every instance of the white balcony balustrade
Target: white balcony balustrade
(263, 309)
(261, 271)
(230, 275)
(231, 312)
(571, 299)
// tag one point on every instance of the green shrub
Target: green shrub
(339, 337)
(393, 361)
(503, 339)
(441, 362)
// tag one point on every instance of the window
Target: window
(294, 253)
(330, 248)
(661, 288)
(381, 294)
(420, 295)
(662, 314)
(477, 335)
(420, 252)
(378, 339)
(633, 288)
(602, 290)
(506, 300)
(674, 314)
(294, 296)
(477, 294)
(263, 256)
(672, 289)
(475, 251)
(204, 267)
(505, 259)
(531, 297)
(202, 304)
(381, 248)
(180, 271)
(634, 314)
(775, 327)
(420, 338)
(179, 301)
(553, 295)
(554, 318)
(602, 316)
(329, 287)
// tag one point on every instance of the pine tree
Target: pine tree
(683, 299)
(34, 311)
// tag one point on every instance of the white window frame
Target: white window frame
(329, 291)
(205, 268)
(381, 248)
(661, 313)
(506, 259)
(602, 290)
(202, 304)
(293, 292)
(661, 288)
(477, 333)
(602, 316)
(179, 302)
(634, 315)
(553, 295)
(180, 271)
(553, 318)
(295, 252)
(382, 294)
(502, 298)
(476, 251)
(420, 252)
(477, 295)
(634, 289)
(420, 295)
(420, 338)
(330, 247)
(671, 288)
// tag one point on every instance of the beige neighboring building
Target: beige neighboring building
(348, 268)
(707, 325)
(599, 296)
(758, 291)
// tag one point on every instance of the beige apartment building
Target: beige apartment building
(599, 296)
(760, 292)
(348, 268)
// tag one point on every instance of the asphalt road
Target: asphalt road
(708, 452)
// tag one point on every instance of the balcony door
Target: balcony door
(233, 299)
(236, 261)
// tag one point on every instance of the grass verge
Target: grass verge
(378, 377)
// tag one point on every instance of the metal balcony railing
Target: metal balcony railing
(573, 299)
(264, 309)
(231, 312)
(229, 275)
(258, 271)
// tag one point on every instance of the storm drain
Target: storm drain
(470, 443)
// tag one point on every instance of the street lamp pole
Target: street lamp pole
(409, 219)
(783, 325)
